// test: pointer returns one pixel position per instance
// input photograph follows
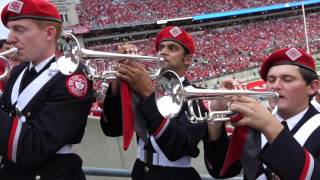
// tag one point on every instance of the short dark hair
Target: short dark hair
(308, 75)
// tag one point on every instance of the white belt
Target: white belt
(67, 149)
(159, 160)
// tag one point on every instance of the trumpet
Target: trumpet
(72, 54)
(14, 52)
(171, 96)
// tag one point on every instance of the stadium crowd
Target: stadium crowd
(100, 12)
(233, 49)
(218, 51)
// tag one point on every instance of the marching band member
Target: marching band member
(165, 146)
(286, 146)
(43, 112)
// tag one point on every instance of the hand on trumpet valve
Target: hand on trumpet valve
(136, 76)
(254, 114)
(235, 116)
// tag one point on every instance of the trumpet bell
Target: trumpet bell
(168, 94)
(68, 54)
(3, 57)
(66, 65)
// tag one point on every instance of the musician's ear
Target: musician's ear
(51, 33)
(187, 60)
(314, 87)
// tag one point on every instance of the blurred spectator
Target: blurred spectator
(96, 108)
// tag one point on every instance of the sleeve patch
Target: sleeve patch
(77, 85)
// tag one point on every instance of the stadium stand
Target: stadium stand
(221, 50)
(236, 48)
(99, 12)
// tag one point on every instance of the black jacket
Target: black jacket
(54, 118)
(179, 138)
(285, 157)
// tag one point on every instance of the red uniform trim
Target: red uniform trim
(305, 167)
(11, 137)
(157, 131)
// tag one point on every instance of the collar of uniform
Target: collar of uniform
(315, 103)
(291, 122)
(39, 66)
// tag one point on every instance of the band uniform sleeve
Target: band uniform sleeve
(5, 126)
(285, 156)
(214, 156)
(179, 137)
(54, 118)
(148, 109)
(111, 118)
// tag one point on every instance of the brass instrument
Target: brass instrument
(3, 57)
(171, 95)
(72, 54)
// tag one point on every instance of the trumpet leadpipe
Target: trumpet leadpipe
(90, 54)
(71, 53)
(13, 50)
(195, 93)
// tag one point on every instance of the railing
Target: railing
(93, 171)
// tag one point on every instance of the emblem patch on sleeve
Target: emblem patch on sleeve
(77, 85)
